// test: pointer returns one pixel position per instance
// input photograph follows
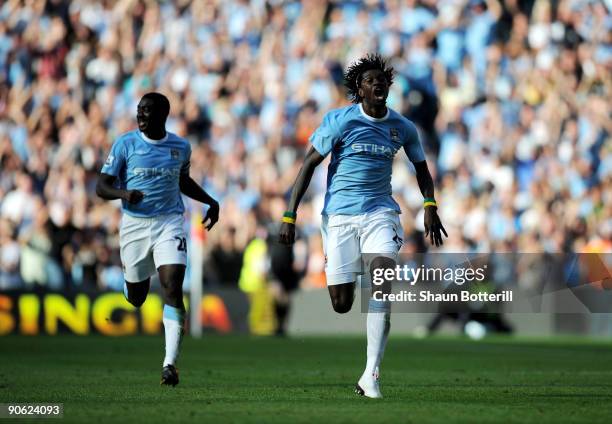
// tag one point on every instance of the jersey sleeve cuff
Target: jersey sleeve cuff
(319, 149)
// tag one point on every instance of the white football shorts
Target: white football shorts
(347, 237)
(148, 243)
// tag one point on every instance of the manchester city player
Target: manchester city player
(359, 214)
(148, 169)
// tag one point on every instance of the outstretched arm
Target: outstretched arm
(433, 226)
(312, 160)
(105, 189)
(193, 190)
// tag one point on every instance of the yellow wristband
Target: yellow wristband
(288, 220)
(430, 204)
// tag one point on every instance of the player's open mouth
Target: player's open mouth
(379, 93)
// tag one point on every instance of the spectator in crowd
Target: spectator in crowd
(511, 97)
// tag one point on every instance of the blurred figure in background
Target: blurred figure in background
(511, 98)
(288, 265)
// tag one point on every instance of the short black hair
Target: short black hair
(159, 100)
(354, 73)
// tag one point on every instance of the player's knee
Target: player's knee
(171, 280)
(341, 304)
(136, 293)
(137, 301)
(381, 262)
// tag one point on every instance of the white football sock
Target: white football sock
(174, 322)
(378, 325)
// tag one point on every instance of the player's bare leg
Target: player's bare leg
(378, 326)
(136, 293)
(342, 296)
(171, 280)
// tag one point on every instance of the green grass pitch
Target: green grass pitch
(269, 380)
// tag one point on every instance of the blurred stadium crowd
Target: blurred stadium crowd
(512, 99)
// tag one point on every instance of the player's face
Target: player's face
(374, 87)
(146, 114)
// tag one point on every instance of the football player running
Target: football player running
(148, 169)
(359, 216)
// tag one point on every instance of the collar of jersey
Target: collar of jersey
(371, 118)
(150, 140)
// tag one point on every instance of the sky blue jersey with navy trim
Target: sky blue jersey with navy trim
(153, 167)
(362, 149)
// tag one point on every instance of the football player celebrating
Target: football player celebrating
(360, 216)
(148, 169)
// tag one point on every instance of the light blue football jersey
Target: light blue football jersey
(153, 167)
(362, 149)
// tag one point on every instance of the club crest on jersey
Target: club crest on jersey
(174, 154)
(395, 135)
